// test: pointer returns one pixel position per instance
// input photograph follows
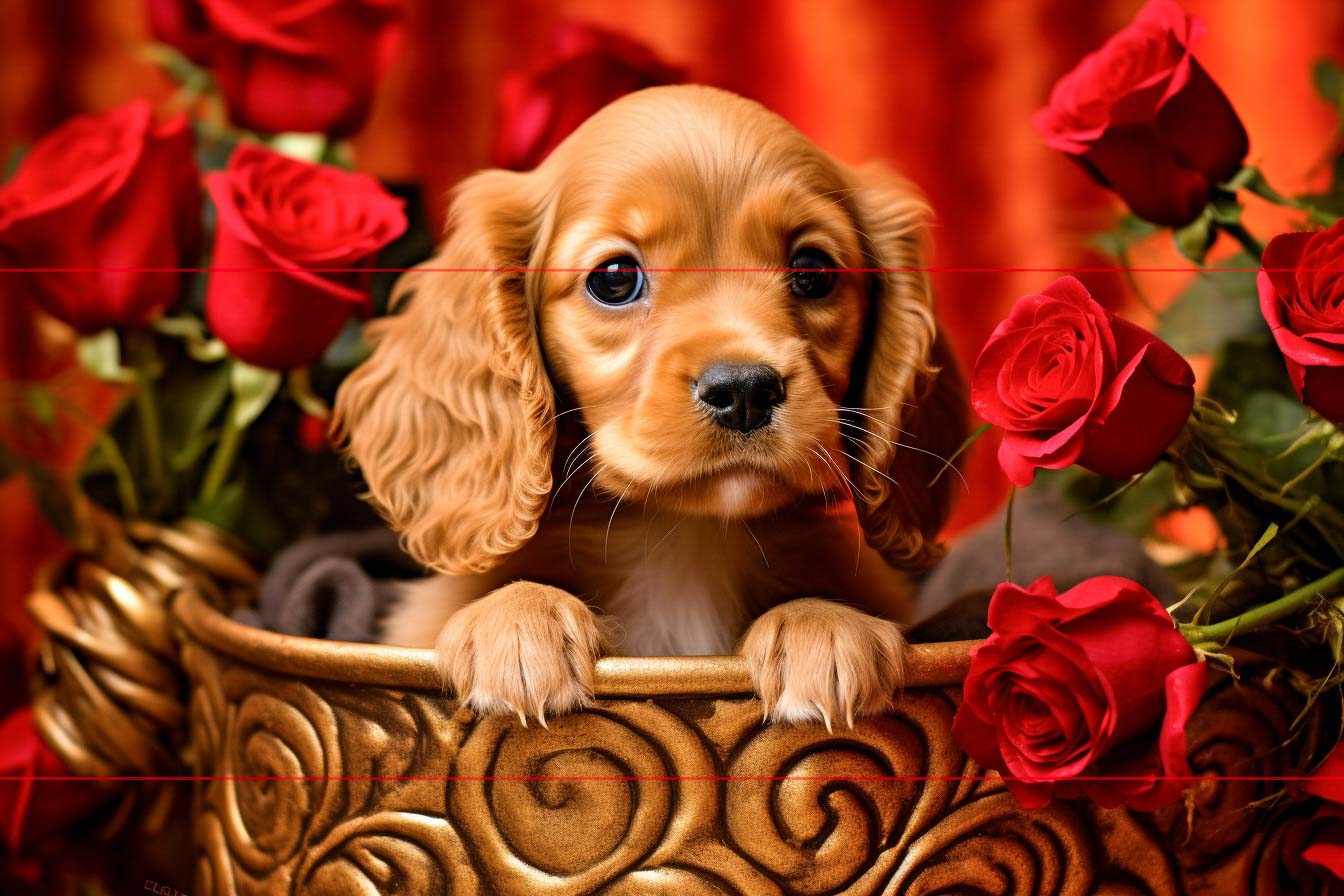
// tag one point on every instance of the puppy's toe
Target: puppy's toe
(526, 650)
(817, 661)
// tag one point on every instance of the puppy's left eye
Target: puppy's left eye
(811, 274)
(616, 281)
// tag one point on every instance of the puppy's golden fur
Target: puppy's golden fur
(536, 447)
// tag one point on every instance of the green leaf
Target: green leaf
(1129, 505)
(1328, 78)
(101, 355)
(1129, 230)
(52, 497)
(225, 509)
(1242, 179)
(305, 147)
(173, 62)
(42, 405)
(1249, 364)
(190, 401)
(1264, 415)
(1217, 307)
(12, 162)
(191, 330)
(348, 350)
(1194, 239)
(1277, 434)
(253, 388)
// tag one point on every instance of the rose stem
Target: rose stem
(147, 409)
(222, 460)
(1253, 247)
(1008, 537)
(1220, 632)
(121, 473)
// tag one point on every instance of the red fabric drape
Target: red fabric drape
(943, 90)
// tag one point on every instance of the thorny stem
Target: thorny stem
(1261, 616)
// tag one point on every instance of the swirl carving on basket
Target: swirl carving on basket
(684, 797)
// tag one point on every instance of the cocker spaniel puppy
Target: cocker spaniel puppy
(677, 384)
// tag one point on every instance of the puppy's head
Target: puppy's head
(709, 293)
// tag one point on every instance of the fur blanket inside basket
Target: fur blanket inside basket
(336, 586)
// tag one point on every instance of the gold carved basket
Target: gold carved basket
(331, 768)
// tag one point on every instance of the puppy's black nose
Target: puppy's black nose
(740, 395)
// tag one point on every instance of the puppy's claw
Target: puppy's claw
(524, 650)
(818, 661)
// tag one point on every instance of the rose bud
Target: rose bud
(292, 249)
(1302, 297)
(1070, 383)
(313, 436)
(586, 68)
(116, 198)
(181, 24)
(310, 66)
(1143, 118)
(1049, 698)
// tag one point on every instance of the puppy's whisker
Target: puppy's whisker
(853, 490)
(555, 495)
(606, 539)
(887, 423)
(570, 411)
(909, 447)
(825, 455)
(569, 459)
(885, 407)
(758, 543)
(825, 490)
(666, 535)
(870, 466)
(575, 510)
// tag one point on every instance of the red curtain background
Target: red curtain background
(944, 90)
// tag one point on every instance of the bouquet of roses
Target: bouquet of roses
(1089, 691)
(216, 259)
(214, 266)
(111, 222)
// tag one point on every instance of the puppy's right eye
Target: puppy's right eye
(616, 281)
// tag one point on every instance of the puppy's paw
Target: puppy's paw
(525, 649)
(817, 661)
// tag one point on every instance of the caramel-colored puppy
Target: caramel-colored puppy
(632, 381)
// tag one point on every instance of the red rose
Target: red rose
(587, 67)
(1302, 298)
(301, 65)
(116, 197)
(1324, 834)
(320, 225)
(1072, 383)
(1143, 118)
(181, 24)
(1068, 686)
(31, 808)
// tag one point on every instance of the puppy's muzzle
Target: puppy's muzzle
(740, 396)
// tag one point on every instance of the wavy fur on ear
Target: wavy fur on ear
(452, 416)
(907, 390)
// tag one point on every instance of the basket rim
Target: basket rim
(941, 664)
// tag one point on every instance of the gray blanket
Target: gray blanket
(337, 586)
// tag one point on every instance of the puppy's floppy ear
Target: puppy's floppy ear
(906, 391)
(452, 416)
